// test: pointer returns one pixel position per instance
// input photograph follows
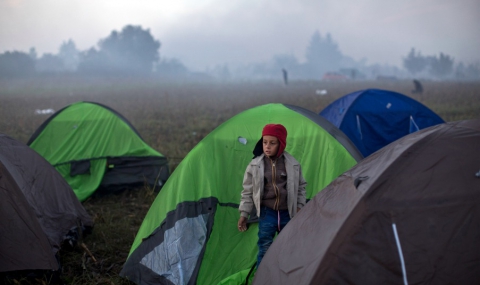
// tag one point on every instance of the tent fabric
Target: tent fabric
(94, 147)
(373, 118)
(407, 214)
(38, 210)
(189, 235)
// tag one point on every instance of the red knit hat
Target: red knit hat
(279, 132)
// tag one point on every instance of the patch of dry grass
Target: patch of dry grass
(99, 257)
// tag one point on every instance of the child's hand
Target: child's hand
(242, 224)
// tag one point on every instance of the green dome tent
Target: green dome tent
(190, 235)
(94, 147)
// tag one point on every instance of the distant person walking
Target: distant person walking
(285, 76)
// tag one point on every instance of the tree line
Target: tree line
(441, 66)
(133, 51)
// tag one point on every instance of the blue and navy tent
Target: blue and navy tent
(373, 118)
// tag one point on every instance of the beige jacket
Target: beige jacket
(253, 186)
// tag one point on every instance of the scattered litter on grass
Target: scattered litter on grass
(44, 111)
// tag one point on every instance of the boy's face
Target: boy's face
(270, 145)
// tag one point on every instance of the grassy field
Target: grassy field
(173, 118)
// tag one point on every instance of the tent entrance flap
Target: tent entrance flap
(176, 256)
(180, 240)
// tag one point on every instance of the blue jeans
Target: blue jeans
(270, 223)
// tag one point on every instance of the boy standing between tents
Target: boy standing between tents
(274, 185)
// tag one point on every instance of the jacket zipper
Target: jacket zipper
(274, 184)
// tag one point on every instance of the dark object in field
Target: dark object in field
(418, 87)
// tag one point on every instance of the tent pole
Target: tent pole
(404, 271)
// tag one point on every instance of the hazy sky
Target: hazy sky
(204, 33)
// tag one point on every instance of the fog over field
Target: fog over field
(210, 33)
(173, 118)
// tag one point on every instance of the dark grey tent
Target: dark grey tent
(407, 214)
(38, 210)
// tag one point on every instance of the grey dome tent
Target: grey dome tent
(407, 214)
(38, 210)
